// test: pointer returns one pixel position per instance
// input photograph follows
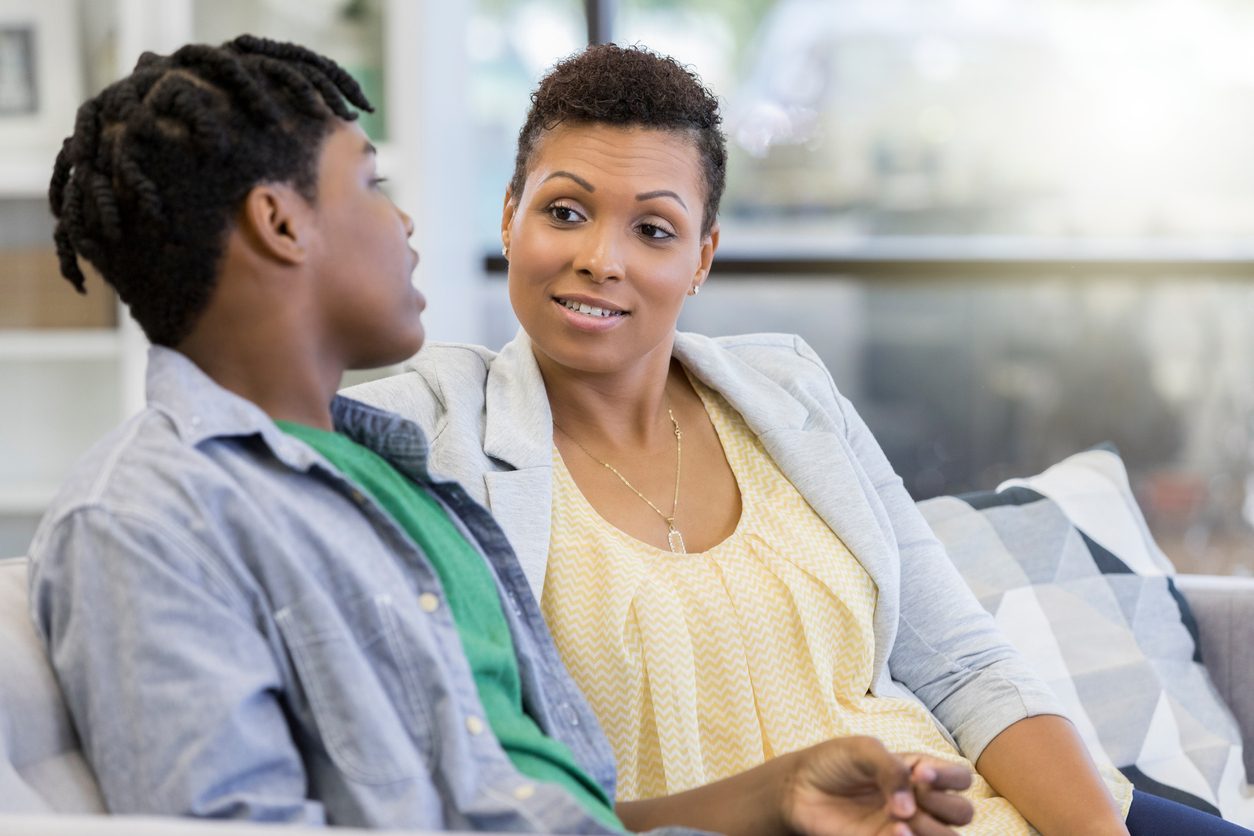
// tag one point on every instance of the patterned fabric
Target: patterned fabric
(700, 666)
(1066, 564)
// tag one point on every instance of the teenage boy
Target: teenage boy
(258, 601)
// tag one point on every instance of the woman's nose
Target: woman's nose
(600, 256)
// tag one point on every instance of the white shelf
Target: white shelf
(26, 500)
(60, 344)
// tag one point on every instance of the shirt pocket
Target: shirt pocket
(361, 686)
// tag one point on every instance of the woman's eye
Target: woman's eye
(655, 232)
(564, 214)
(376, 182)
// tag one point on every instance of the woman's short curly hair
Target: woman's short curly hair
(630, 87)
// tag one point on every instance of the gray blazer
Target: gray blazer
(490, 428)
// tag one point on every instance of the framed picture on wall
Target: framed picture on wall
(40, 76)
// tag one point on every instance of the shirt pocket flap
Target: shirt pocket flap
(360, 686)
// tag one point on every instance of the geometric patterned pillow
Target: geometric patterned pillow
(1065, 562)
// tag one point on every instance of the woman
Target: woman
(728, 564)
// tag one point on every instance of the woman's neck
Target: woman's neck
(624, 410)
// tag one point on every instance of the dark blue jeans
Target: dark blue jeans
(1154, 816)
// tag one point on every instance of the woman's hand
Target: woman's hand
(853, 786)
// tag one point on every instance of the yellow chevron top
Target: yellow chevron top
(700, 666)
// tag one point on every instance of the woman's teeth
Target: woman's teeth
(588, 309)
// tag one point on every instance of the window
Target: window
(1059, 121)
(1011, 228)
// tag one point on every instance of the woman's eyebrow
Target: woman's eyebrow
(574, 177)
(662, 193)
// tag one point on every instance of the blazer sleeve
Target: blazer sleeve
(949, 651)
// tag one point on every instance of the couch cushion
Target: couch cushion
(41, 766)
(1066, 564)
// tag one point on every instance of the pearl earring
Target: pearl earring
(694, 290)
(505, 250)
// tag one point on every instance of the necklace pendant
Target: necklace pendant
(676, 541)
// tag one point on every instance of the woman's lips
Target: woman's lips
(587, 317)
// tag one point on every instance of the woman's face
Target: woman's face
(605, 243)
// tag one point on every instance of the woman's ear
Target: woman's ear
(274, 220)
(507, 218)
(709, 245)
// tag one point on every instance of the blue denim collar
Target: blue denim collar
(201, 409)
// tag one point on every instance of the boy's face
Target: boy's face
(361, 257)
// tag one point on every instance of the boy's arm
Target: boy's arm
(851, 786)
(172, 686)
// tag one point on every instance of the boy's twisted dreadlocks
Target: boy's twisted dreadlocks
(148, 185)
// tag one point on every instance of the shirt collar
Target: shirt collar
(200, 409)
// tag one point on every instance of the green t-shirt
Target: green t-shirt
(473, 600)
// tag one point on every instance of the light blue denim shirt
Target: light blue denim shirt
(239, 632)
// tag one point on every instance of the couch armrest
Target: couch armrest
(1224, 608)
(99, 825)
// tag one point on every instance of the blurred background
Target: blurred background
(1013, 229)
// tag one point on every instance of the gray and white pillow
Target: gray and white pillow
(1065, 562)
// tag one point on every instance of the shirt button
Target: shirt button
(474, 725)
(428, 602)
(524, 791)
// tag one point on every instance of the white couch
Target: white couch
(47, 788)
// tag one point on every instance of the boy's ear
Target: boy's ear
(275, 221)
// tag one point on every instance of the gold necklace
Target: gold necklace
(673, 538)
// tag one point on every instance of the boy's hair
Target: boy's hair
(148, 185)
(628, 87)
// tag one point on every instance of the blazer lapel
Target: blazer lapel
(520, 500)
(518, 433)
